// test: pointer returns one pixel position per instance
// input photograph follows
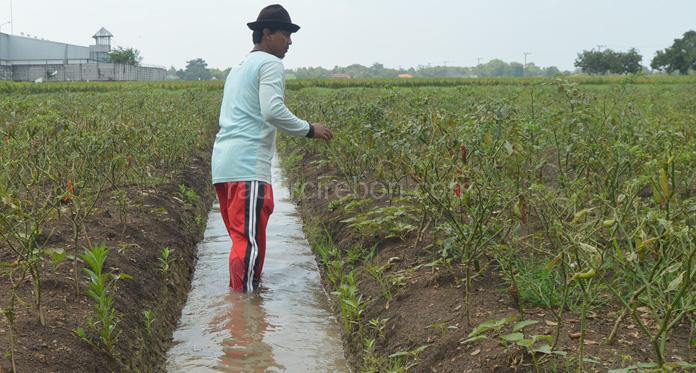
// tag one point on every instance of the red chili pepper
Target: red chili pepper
(463, 152)
(70, 191)
(457, 190)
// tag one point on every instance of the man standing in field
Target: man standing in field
(252, 109)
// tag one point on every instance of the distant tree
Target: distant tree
(532, 70)
(196, 69)
(631, 61)
(494, 67)
(551, 71)
(128, 56)
(681, 56)
(515, 69)
(609, 62)
(219, 74)
(172, 74)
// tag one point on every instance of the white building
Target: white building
(27, 58)
(24, 50)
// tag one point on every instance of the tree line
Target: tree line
(492, 68)
(679, 58)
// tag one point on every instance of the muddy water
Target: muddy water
(286, 326)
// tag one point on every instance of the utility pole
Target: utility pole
(478, 66)
(11, 19)
(524, 67)
(600, 46)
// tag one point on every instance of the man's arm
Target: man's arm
(272, 101)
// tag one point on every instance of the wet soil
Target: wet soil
(427, 309)
(156, 218)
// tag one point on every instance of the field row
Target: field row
(581, 200)
(79, 171)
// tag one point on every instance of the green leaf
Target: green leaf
(123, 276)
(80, 332)
(526, 343)
(523, 324)
(57, 255)
(685, 365)
(674, 284)
(490, 324)
(620, 370)
(512, 337)
(544, 349)
(545, 338)
(476, 339)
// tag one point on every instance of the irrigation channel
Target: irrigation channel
(286, 326)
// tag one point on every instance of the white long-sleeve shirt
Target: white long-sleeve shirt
(253, 107)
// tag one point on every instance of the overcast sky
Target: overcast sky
(342, 32)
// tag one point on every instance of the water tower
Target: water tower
(100, 51)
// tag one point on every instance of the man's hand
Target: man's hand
(321, 131)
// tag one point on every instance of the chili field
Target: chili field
(101, 200)
(459, 224)
(547, 226)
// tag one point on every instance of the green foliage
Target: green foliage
(582, 190)
(493, 68)
(681, 56)
(377, 272)
(148, 320)
(351, 304)
(165, 259)
(128, 56)
(189, 194)
(388, 221)
(219, 74)
(68, 147)
(103, 324)
(609, 62)
(532, 345)
(490, 325)
(196, 69)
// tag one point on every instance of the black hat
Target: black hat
(274, 16)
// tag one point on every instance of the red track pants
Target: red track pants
(246, 207)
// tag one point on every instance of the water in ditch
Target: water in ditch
(286, 326)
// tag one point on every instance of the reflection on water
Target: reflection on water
(244, 349)
(286, 326)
